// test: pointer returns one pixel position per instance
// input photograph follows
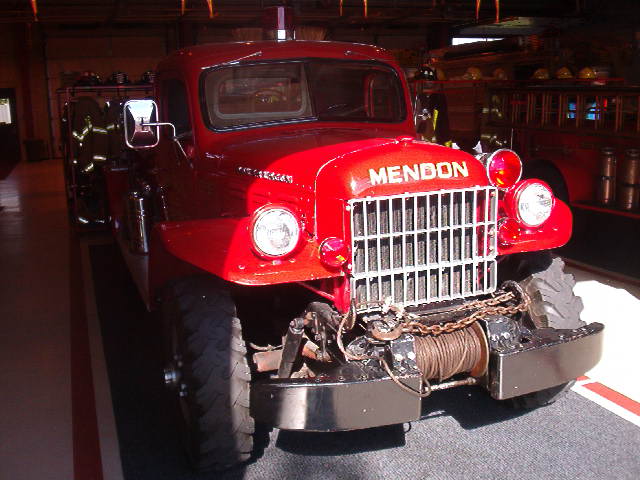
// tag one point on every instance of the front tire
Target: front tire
(211, 376)
(553, 304)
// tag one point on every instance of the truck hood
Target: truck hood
(348, 163)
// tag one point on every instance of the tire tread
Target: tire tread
(219, 374)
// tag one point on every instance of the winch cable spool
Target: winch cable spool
(437, 359)
(448, 354)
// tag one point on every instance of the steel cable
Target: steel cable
(446, 355)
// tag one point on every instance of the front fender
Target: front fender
(222, 247)
(553, 233)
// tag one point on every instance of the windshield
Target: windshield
(329, 90)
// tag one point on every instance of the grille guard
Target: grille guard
(423, 248)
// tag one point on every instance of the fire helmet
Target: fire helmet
(587, 72)
(472, 73)
(425, 73)
(564, 72)
(118, 78)
(541, 74)
(500, 74)
(88, 79)
(148, 77)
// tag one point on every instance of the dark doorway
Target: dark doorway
(9, 138)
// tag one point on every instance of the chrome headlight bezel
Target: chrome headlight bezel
(534, 202)
(275, 231)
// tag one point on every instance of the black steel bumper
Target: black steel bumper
(550, 358)
(354, 397)
(357, 397)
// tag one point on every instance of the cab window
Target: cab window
(243, 96)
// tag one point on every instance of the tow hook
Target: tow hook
(381, 333)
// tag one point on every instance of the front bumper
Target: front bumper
(356, 396)
(549, 358)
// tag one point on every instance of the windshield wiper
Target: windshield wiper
(238, 60)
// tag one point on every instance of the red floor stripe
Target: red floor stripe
(87, 461)
(615, 397)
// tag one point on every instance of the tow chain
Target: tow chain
(483, 308)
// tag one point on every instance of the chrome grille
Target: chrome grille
(425, 247)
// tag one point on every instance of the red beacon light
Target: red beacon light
(504, 168)
(334, 252)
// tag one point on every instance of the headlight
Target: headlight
(534, 202)
(276, 232)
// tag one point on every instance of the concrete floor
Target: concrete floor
(43, 434)
(616, 304)
(35, 413)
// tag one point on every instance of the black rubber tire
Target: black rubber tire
(553, 304)
(206, 335)
(540, 398)
(550, 174)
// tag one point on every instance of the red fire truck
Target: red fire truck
(317, 268)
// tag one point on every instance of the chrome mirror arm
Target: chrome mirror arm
(173, 128)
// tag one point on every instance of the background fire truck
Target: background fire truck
(579, 131)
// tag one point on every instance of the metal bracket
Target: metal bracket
(292, 341)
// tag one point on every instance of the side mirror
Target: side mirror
(141, 128)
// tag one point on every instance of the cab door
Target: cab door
(176, 170)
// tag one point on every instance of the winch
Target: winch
(406, 342)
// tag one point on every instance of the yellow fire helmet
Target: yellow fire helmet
(541, 74)
(500, 74)
(473, 73)
(587, 72)
(564, 72)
